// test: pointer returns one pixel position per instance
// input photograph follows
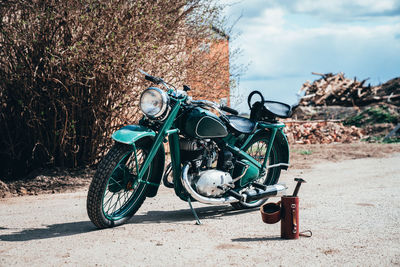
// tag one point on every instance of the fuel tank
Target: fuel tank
(201, 123)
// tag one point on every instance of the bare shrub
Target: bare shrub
(68, 74)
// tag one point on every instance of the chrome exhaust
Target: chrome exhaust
(247, 196)
(275, 190)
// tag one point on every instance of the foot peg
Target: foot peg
(235, 195)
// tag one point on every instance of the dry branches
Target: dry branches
(68, 72)
(336, 89)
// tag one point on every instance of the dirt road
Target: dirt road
(352, 208)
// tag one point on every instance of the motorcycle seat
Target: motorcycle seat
(241, 124)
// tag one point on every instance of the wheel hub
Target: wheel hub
(121, 179)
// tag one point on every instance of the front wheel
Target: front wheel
(115, 193)
(257, 148)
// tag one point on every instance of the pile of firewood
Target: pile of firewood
(322, 132)
(335, 89)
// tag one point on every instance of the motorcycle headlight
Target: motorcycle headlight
(153, 102)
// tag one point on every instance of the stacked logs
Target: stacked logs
(321, 132)
(336, 89)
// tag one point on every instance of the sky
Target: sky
(283, 41)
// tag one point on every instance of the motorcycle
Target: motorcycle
(215, 159)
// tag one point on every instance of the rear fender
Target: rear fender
(131, 134)
(281, 143)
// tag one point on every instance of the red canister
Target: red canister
(289, 217)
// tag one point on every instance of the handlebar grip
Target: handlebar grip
(230, 110)
(153, 79)
(149, 78)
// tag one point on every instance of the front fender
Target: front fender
(131, 133)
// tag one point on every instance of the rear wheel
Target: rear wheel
(115, 193)
(257, 148)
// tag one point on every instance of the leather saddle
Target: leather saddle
(241, 124)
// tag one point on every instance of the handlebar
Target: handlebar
(205, 103)
(217, 107)
(153, 79)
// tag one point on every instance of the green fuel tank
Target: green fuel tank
(201, 123)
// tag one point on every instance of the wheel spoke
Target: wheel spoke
(126, 196)
(109, 205)
(115, 205)
(109, 199)
(112, 208)
(116, 182)
(118, 201)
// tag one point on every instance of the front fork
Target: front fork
(160, 137)
(176, 166)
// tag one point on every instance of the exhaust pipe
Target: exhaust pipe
(275, 190)
(247, 196)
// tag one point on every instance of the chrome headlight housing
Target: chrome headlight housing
(153, 102)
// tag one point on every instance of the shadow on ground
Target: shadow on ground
(209, 212)
(257, 239)
(74, 228)
(51, 231)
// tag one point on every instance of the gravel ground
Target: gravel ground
(352, 208)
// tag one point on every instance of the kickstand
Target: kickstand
(198, 222)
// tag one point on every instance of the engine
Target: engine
(213, 183)
(208, 178)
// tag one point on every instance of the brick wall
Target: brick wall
(214, 88)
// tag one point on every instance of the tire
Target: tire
(257, 148)
(115, 194)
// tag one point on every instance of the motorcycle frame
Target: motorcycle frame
(173, 139)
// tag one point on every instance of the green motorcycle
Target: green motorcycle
(225, 159)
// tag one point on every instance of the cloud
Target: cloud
(338, 10)
(276, 50)
(278, 44)
(344, 9)
(287, 40)
(244, 8)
